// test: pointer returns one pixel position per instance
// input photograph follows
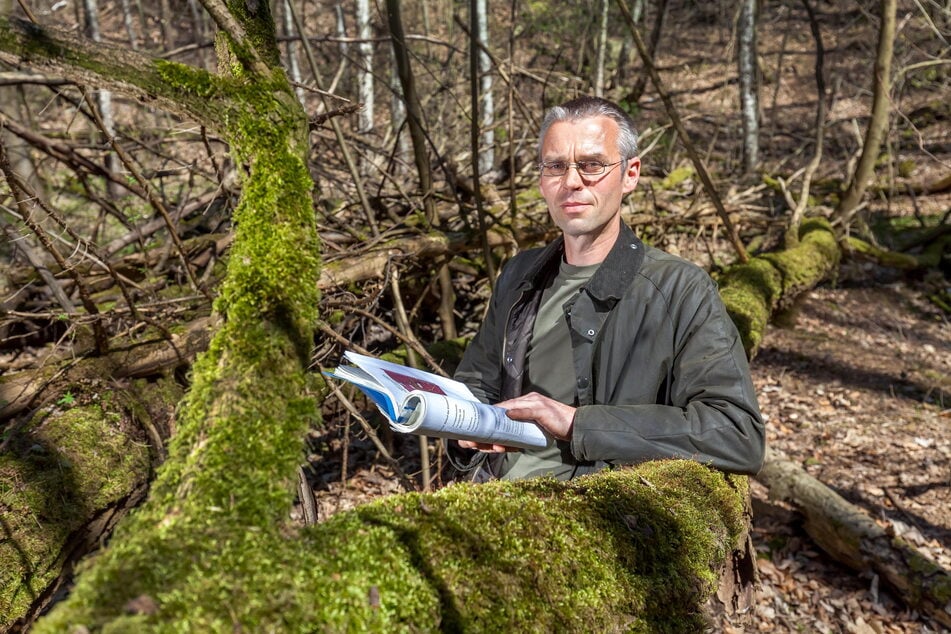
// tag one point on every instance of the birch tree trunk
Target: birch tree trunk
(749, 86)
(365, 81)
(293, 66)
(487, 118)
(103, 97)
(602, 49)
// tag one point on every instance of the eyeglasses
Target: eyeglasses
(585, 168)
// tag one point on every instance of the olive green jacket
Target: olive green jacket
(660, 369)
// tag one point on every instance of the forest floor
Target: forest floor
(855, 384)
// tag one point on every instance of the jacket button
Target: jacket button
(583, 382)
(509, 359)
(591, 333)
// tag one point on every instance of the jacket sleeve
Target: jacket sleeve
(481, 365)
(710, 414)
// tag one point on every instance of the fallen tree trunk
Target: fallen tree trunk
(852, 537)
(31, 388)
(752, 292)
(630, 550)
(66, 478)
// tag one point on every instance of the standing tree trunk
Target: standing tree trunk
(103, 97)
(414, 113)
(398, 116)
(365, 48)
(293, 65)
(602, 49)
(878, 123)
(657, 29)
(749, 86)
(480, 29)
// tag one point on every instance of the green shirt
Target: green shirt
(551, 372)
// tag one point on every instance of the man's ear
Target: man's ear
(632, 174)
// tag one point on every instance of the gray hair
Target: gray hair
(586, 107)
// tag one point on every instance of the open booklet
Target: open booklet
(418, 402)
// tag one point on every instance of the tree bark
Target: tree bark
(602, 46)
(486, 110)
(365, 47)
(878, 123)
(749, 86)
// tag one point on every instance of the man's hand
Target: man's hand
(482, 446)
(554, 417)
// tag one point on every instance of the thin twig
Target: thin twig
(684, 137)
(407, 483)
(403, 322)
(153, 199)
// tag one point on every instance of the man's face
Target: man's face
(586, 205)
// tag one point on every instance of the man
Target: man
(620, 352)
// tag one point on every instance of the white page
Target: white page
(400, 380)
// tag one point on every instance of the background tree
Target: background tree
(749, 86)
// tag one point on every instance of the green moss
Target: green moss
(676, 177)
(63, 469)
(906, 168)
(749, 292)
(632, 550)
(811, 261)
(772, 183)
(753, 291)
(929, 581)
(883, 256)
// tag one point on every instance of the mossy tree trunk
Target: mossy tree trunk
(233, 458)
(753, 291)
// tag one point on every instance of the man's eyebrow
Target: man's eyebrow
(594, 156)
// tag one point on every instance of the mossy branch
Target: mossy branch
(202, 97)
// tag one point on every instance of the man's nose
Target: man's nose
(573, 178)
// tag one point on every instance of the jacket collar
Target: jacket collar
(612, 277)
(618, 269)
